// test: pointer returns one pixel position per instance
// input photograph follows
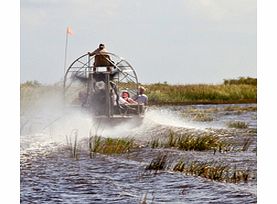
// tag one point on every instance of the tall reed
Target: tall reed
(73, 147)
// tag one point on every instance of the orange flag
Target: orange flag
(69, 31)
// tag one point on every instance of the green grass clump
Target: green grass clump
(110, 146)
(155, 143)
(188, 142)
(206, 114)
(213, 171)
(158, 163)
(240, 109)
(199, 116)
(180, 166)
(237, 124)
(246, 144)
(202, 117)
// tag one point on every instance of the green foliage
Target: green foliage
(158, 163)
(212, 170)
(237, 124)
(246, 144)
(201, 93)
(241, 80)
(154, 143)
(110, 146)
(188, 142)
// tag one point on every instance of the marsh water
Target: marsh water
(49, 173)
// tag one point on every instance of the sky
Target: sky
(173, 41)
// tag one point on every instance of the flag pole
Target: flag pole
(65, 52)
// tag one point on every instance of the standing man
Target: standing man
(101, 59)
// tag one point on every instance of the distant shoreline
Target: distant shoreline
(233, 91)
(245, 101)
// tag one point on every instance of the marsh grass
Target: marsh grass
(208, 114)
(240, 108)
(229, 108)
(144, 198)
(198, 115)
(158, 163)
(180, 166)
(160, 93)
(241, 80)
(155, 143)
(202, 117)
(214, 171)
(237, 124)
(73, 147)
(189, 142)
(110, 146)
(247, 142)
(200, 93)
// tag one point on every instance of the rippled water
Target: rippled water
(50, 175)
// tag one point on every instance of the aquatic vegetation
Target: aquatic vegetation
(202, 117)
(237, 124)
(189, 142)
(181, 173)
(199, 116)
(207, 114)
(94, 145)
(213, 171)
(182, 169)
(240, 108)
(158, 163)
(246, 144)
(143, 200)
(111, 146)
(180, 166)
(73, 147)
(154, 143)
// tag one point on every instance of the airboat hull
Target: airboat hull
(119, 120)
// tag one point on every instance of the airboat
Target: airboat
(95, 83)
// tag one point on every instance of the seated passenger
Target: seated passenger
(120, 100)
(142, 99)
(126, 96)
